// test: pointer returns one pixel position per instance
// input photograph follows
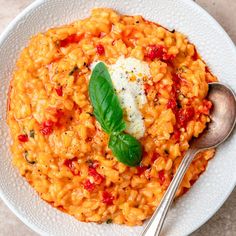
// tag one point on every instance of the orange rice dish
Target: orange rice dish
(60, 148)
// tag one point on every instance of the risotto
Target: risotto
(60, 147)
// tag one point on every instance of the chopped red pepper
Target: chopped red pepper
(175, 86)
(155, 156)
(23, 138)
(98, 179)
(171, 104)
(74, 38)
(176, 135)
(159, 52)
(71, 165)
(155, 52)
(59, 91)
(59, 113)
(185, 115)
(161, 175)
(141, 169)
(176, 80)
(107, 198)
(168, 57)
(100, 49)
(47, 127)
(89, 186)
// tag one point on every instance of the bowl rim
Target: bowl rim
(36, 4)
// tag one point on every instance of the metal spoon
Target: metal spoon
(222, 123)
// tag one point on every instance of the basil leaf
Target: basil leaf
(106, 105)
(126, 148)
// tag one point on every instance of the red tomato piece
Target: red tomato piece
(155, 52)
(176, 135)
(74, 38)
(100, 49)
(161, 175)
(23, 138)
(47, 127)
(59, 91)
(176, 79)
(185, 115)
(171, 104)
(168, 57)
(141, 169)
(107, 198)
(70, 163)
(155, 156)
(98, 179)
(89, 186)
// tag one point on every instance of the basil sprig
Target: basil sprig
(106, 105)
(126, 148)
(109, 114)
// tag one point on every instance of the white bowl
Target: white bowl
(213, 187)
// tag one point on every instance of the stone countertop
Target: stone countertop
(223, 222)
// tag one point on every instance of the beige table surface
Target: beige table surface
(223, 223)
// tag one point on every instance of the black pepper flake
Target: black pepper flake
(109, 221)
(166, 151)
(172, 31)
(137, 22)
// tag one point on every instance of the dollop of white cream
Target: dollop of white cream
(127, 75)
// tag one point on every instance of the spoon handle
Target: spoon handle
(155, 224)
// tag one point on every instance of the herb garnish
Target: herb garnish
(109, 114)
(106, 105)
(31, 133)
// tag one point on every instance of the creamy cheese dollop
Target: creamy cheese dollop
(127, 75)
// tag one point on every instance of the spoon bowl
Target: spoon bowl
(222, 117)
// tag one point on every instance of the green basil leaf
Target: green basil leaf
(106, 105)
(126, 148)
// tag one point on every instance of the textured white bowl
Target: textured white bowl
(213, 187)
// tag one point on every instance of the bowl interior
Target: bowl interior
(213, 187)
